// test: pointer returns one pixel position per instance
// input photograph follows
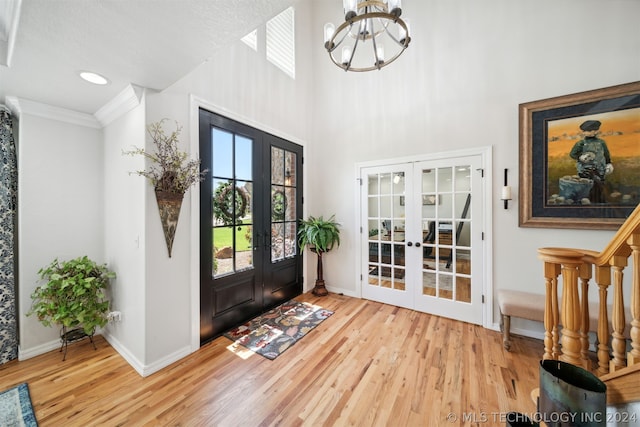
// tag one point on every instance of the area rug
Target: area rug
(276, 330)
(16, 409)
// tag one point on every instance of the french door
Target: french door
(250, 205)
(422, 249)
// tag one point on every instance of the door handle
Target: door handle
(267, 241)
(409, 244)
(417, 244)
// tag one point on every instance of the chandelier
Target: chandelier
(374, 22)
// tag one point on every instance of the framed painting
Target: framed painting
(580, 159)
(430, 199)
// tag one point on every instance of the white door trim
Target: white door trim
(486, 154)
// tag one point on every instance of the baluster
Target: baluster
(585, 276)
(551, 272)
(555, 313)
(603, 279)
(618, 344)
(570, 339)
(634, 355)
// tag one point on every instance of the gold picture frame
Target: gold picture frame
(554, 187)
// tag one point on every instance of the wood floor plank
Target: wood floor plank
(369, 364)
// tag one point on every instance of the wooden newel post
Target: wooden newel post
(570, 343)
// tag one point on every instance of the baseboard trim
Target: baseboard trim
(124, 352)
(340, 291)
(166, 361)
(38, 350)
(142, 369)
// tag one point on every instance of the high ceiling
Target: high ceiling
(150, 43)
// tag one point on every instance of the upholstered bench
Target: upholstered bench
(520, 304)
(526, 305)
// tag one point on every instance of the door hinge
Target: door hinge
(481, 172)
(483, 299)
(359, 181)
(482, 236)
(361, 277)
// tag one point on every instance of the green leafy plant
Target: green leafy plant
(170, 170)
(321, 236)
(73, 295)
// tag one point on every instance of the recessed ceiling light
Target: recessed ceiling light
(94, 78)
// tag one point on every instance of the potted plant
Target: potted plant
(321, 236)
(72, 296)
(171, 173)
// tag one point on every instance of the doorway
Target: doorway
(424, 245)
(250, 205)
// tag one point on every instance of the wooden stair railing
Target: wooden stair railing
(577, 267)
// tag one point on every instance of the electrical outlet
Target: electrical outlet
(114, 316)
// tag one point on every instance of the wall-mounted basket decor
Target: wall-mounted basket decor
(170, 173)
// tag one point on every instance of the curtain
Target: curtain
(8, 200)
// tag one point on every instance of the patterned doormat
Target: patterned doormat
(276, 330)
(15, 407)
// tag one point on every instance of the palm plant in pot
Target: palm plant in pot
(321, 236)
(73, 296)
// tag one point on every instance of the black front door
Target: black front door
(250, 204)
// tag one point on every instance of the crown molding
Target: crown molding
(9, 18)
(20, 106)
(122, 103)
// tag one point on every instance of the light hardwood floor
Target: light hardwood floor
(369, 364)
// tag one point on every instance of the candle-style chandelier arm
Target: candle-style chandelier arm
(347, 65)
(376, 53)
(402, 42)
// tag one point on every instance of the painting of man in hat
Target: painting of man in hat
(593, 160)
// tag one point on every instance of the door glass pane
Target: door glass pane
(277, 166)
(277, 203)
(223, 251)
(463, 209)
(277, 241)
(386, 234)
(243, 164)
(463, 275)
(232, 201)
(290, 169)
(444, 179)
(290, 239)
(244, 243)
(284, 212)
(463, 178)
(290, 208)
(222, 153)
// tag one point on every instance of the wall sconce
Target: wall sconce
(506, 191)
(287, 178)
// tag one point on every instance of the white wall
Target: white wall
(60, 208)
(457, 86)
(124, 225)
